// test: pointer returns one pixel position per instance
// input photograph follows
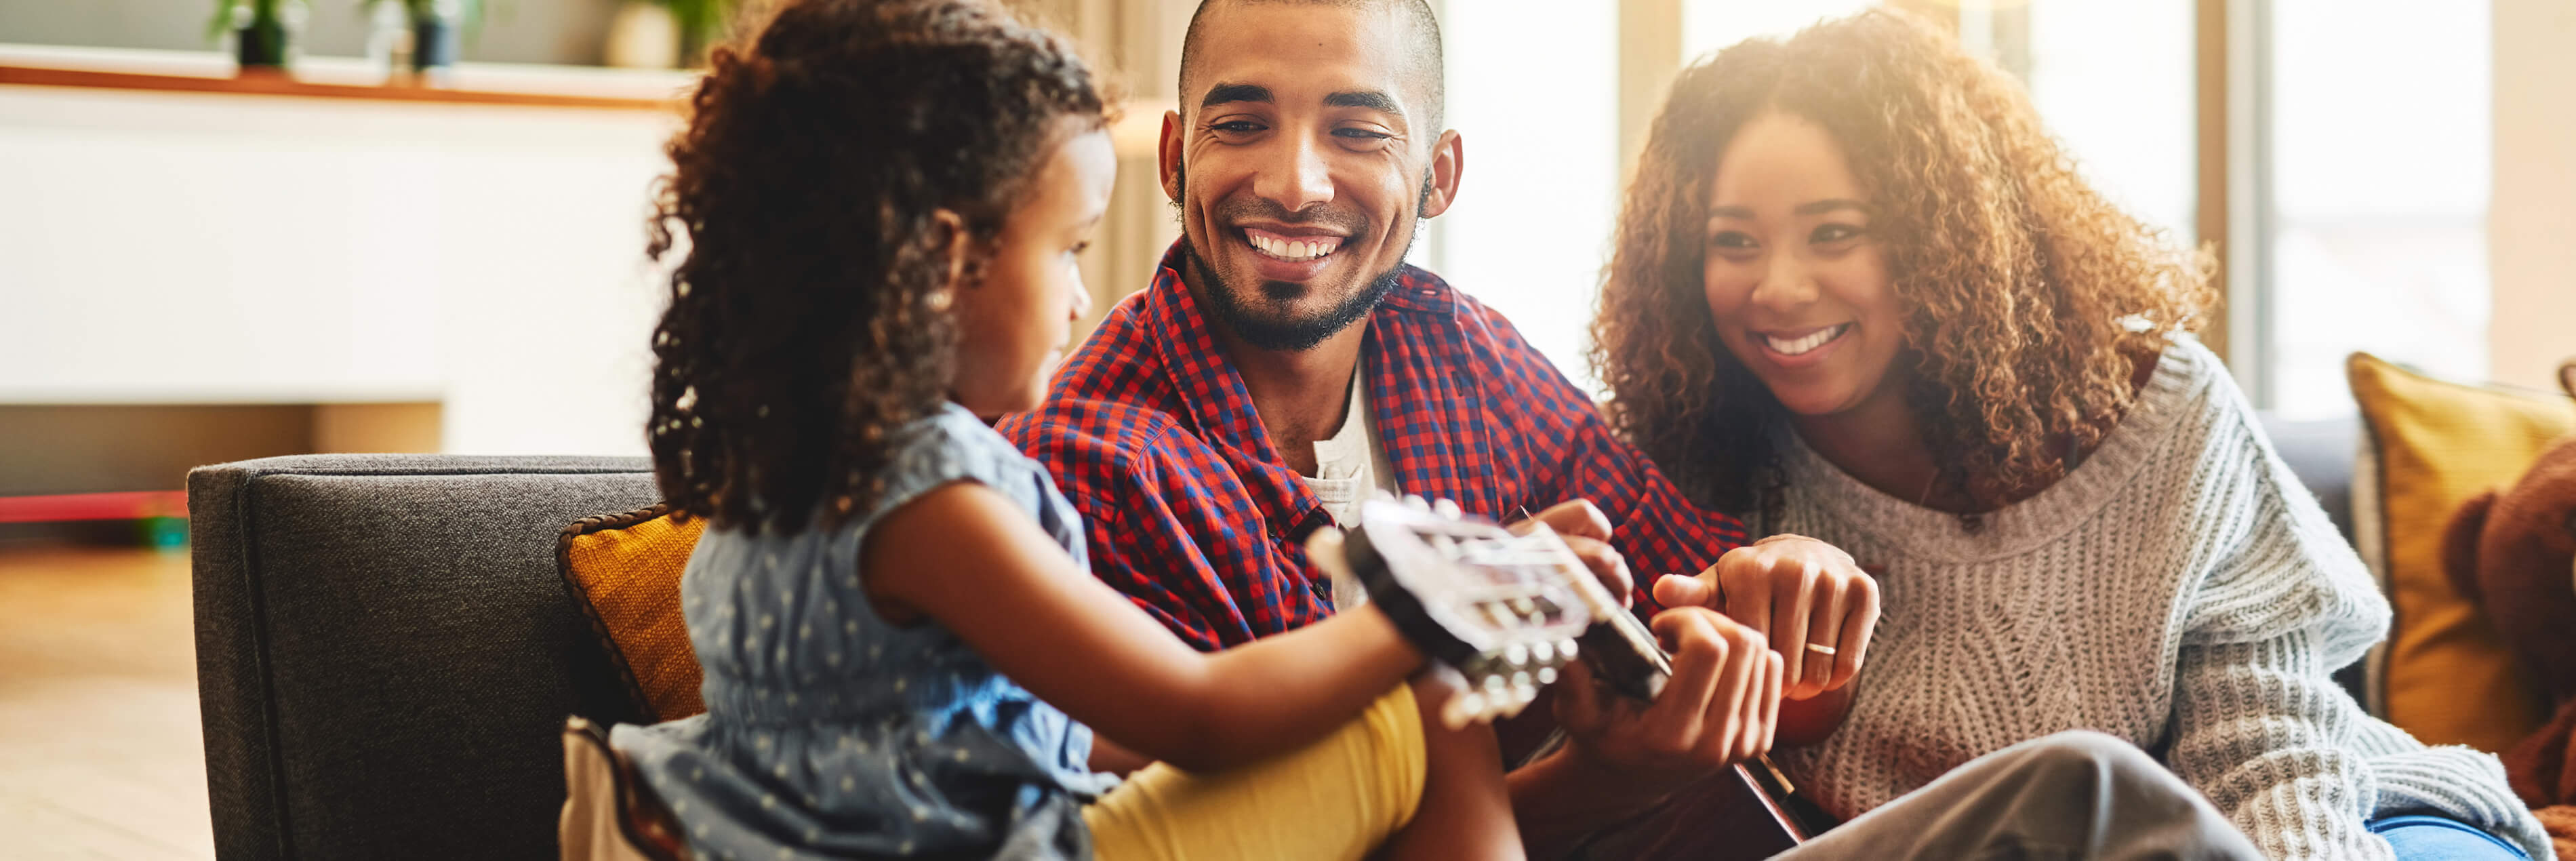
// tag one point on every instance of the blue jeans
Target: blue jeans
(2437, 838)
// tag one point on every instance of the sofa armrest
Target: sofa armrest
(385, 653)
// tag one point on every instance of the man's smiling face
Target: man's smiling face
(1298, 166)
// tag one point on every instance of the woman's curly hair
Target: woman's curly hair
(2027, 297)
(807, 318)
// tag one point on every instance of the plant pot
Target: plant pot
(642, 36)
(435, 42)
(263, 38)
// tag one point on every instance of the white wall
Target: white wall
(212, 248)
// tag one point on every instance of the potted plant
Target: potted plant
(263, 31)
(438, 28)
(665, 33)
(701, 22)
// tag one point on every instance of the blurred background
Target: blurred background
(240, 228)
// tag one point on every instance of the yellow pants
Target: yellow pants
(1337, 798)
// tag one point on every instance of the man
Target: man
(1285, 362)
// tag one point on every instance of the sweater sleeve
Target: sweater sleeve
(2260, 726)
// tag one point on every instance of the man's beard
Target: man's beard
(1294, 334)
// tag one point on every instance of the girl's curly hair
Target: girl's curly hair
(806, 321)
(2026, 296)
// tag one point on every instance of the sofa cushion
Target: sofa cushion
(623, 572)
(2444, 675)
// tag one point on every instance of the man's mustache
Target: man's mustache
(1241, 209)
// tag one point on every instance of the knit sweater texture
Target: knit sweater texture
(2179, 589)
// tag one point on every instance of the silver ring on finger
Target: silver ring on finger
(1821, 649)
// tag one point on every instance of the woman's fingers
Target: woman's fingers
(1818, 654)
(1743, 580)
(1793, 580)
(1769, 698)
(1853, 640)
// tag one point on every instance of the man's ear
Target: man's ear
(1448, 162)
(1167, 156)
(953, 245)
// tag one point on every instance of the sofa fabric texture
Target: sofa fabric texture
(386, 654)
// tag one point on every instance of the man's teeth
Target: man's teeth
(1799, 346)
(1287, 249)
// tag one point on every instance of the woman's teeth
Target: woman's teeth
(1295, 250)
(1801, 346)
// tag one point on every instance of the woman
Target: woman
(1860, 294)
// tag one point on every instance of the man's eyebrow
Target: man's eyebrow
(1371, 99)
(1223, 93)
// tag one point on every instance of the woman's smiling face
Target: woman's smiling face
(1795, 281)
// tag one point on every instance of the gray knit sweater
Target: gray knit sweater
(2178, 589)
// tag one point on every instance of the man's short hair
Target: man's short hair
(1421, 39)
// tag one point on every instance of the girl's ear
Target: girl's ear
(954, 245)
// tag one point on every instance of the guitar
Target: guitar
(1502, 613)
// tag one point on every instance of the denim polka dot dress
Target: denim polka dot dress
(830, 733)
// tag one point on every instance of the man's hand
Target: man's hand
(1719, 708)
(1587, 531)
(1807, 598)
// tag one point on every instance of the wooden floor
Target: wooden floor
(100, 755)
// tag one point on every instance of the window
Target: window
(2114, 82)
(1538, 201)
(2378, 169)
(1708, 25)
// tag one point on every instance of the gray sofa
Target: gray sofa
(385, 653)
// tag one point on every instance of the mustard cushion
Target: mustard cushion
(624, 572)
(2444, 674)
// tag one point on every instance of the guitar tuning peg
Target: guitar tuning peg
(1517, 655)
(1542, 652)
(1447, 508)
(1547, 675)
(1416, 502)
(1521, 682)
(1565, 648)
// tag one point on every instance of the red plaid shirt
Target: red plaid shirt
(1190, 511)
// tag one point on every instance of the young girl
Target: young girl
(1860, 293)
(882, 202)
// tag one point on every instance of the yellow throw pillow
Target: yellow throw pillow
(2443, 675)
(624, 572)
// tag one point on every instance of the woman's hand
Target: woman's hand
(1808, 598)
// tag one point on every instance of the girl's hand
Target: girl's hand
(1812, 602)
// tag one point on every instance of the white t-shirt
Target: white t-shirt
(1348, 468)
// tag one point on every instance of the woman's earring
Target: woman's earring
(939, 299)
